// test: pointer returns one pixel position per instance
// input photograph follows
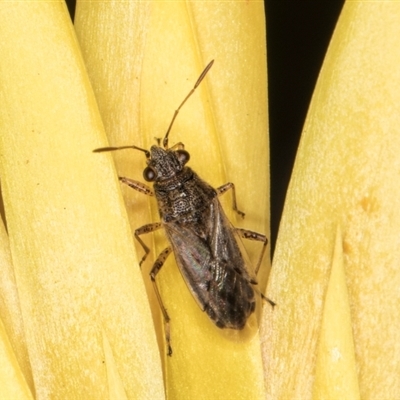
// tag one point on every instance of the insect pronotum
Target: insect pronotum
(199, 233)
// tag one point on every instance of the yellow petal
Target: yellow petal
(336, 371)
(12, 381)
(347, 173)
(74, 260)
(10, 309)
(141, 69)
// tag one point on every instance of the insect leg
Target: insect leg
(142, 188)
(148, 228)
(259, 237)
(153, 273)
(224, 188)
(139, 186)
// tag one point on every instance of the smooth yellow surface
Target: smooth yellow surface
(142, 62)
(10, 309)
(336, 371)
(12, 381)
(74, 261)
(347, 173)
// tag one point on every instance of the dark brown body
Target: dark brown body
(204, 244)
(200, 235)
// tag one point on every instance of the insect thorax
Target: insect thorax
(183, 197)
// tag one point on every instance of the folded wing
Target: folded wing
(213, 267)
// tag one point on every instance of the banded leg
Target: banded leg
(148, 228)
(259, 237)
(139, 186)
(153, 273)
(224, 188)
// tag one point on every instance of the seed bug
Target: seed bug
(199, 233)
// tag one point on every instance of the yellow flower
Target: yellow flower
(143, 58)
(83, 307)
(344, 189)
(87, 324)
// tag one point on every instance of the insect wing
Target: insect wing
(227, 244)
(193, 258)
(213, 267)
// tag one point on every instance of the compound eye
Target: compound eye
(149, 174)
(183, 156)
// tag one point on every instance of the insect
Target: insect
(200, 235)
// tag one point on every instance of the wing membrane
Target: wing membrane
(213, 267)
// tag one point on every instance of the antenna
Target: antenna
(201, 77)
(165, 140)
(102, 149)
